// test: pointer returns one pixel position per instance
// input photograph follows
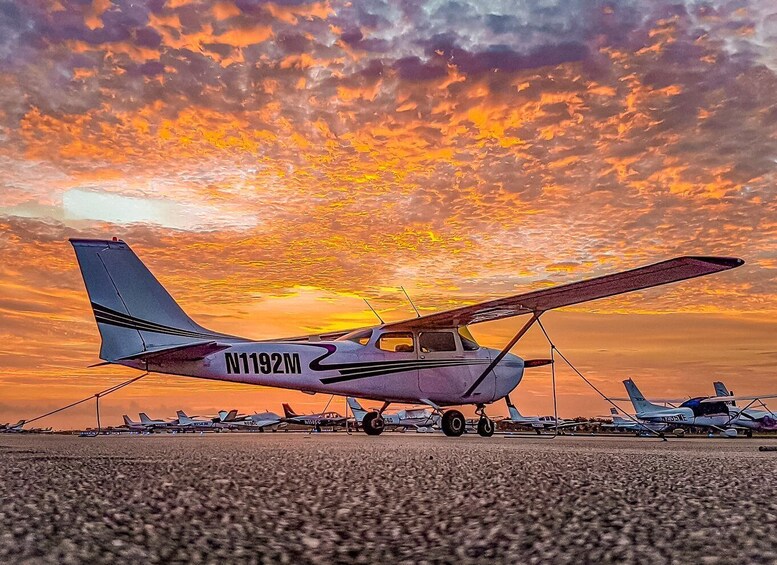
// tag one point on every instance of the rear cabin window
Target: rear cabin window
(399, 342)
(429, 342)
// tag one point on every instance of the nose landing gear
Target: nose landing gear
(486, 425)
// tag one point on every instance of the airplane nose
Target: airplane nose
(510, 372)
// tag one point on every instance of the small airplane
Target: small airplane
(16, 428)
(537, 423)
(420, 419)
(257, 420)
(431, 359)
(703, 412)
(747, 418)
(186, 423)
(318, 421)
(619, 423)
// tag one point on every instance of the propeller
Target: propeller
(530, 363)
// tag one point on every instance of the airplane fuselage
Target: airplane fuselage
(348, 368)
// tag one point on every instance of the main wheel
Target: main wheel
(453, 423)
(373, 424)
(486, 427)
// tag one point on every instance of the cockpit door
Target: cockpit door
(446, 370)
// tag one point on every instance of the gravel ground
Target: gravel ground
(327, 498)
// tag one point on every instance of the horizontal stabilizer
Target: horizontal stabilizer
(186, 352)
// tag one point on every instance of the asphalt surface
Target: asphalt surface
(330, 498)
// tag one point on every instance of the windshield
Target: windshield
(468, 342)
(362, 337)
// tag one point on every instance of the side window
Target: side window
(430, 342)
(399, 342)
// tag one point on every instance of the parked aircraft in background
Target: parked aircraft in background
(186, 423)
(705, 412)
(432, 359)
(322, 419)
(16, 428)
(417, 418)
(257, 420)
(619, 423)
(537, 423)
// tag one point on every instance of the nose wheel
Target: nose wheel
(486, 426)
(373, 424)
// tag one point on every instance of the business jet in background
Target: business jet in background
(432, 359)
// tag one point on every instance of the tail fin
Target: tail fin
(134, 312)
(637, 400)
(616, 418)
(144, 419)
(514, 414)
(288, 412)
(182, 417)
(127, 420)
(356, 408)
(721, 390)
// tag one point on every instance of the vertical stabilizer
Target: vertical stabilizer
(721, 390)
(641, 406)
(134, 312)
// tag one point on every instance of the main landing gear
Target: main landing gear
(453, 423)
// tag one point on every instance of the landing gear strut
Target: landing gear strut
(453, 423)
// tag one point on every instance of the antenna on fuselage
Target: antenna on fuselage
(410, 300)
(374, 312)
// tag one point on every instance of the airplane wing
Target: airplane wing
(730, 398)
(186, 352)
(665, 272)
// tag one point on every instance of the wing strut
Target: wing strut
(535, 316)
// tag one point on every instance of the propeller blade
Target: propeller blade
(529, 363)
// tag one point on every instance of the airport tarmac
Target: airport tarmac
(398, 498)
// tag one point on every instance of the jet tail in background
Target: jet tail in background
(641, 405)
(144, 419)
(514, 414)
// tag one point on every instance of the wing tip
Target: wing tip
(725, 262)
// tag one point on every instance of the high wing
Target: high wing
(665, 272)
(728, 398)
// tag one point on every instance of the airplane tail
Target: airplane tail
(637, 400)
(288, 412)
(616, 417)
(144, 419)
(721, 390)
(356, 408)
(182, 417)
(134, 312)
(514, 414)
(127, 420)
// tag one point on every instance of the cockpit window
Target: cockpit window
(430, 342)
(399, 342)
(467, 341)
(362, 337)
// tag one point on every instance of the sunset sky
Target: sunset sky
(272, 163)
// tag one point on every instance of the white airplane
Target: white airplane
(537, 423)
(747, 418)
(257, 420)
(420, 419)
(432, 359)
(703, 412)
(620, 423)
(187, 423)
(16, 428)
